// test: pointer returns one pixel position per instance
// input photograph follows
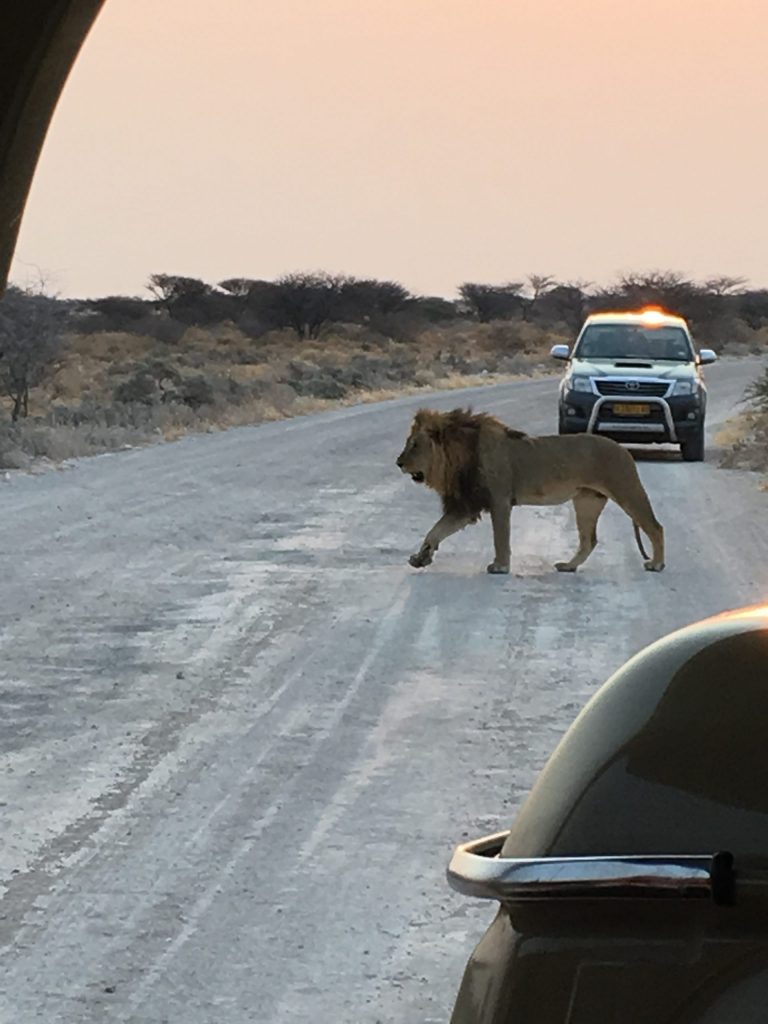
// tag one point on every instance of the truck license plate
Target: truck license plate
(631, 409)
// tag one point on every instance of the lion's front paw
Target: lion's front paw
(421, 559)
(565, 567)
(497, 570)
(653, 566)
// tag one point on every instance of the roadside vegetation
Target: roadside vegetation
(88, 376)
(746, 436)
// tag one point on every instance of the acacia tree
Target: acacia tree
(191, 301)
(31, 332)
(239, 290)
(114, 313)
(493, 302)
(564, 303)
(364, 298)
(169, 289)
(724, 285)
(666, 288)
(237, 286)
(752, 306)
(539, 285)
(305, 302)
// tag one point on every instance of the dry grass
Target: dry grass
(735, 430)
(741, 340)
(116, 389)
(746, 443)
(746, 436)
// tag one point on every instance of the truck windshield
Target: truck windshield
(632, 341)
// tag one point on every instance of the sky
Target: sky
(430, 142)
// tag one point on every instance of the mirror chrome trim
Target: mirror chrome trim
(707, 356)
(560, 352)
(477, 869)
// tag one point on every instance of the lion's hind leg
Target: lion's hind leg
(638, 507)
(655, 532)
(588, 506)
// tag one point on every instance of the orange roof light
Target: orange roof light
(652, 314)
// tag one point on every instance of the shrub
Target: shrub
(112, 313)
(492, 302)
(151, 382)
(11, 454)
(31, 338)
(757, 393)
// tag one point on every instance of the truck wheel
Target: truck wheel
(692, 450)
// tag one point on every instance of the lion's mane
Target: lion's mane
(455, 469)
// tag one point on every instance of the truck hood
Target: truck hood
(632, 368)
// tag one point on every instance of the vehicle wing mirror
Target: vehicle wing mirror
(560, 352)
(477, 869)
(707, 355)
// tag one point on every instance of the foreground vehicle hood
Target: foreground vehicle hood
(667, 760)
(669, 755)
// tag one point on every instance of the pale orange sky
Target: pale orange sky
(426, 141)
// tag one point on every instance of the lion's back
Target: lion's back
(581, 459)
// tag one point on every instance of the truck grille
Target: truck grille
(655, 388)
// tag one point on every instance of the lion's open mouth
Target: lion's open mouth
(418, 478)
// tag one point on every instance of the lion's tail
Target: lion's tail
(639, 540)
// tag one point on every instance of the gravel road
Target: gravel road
(240, 736)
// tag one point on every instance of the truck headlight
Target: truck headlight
(684, 387)
(579, 383)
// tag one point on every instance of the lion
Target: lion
(478, 464)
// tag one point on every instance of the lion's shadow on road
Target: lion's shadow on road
(465, 585)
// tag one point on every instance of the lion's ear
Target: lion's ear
(428, 420)
(431, 423)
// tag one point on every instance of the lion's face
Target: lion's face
(416, 458)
